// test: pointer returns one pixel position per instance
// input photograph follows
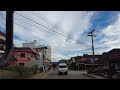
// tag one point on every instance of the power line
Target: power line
(38, 28)
(52, 23)
(28, 29)
(31, 30)
(34, 30)
(49, 28)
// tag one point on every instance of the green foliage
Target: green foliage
(34, 69)
(20, 69)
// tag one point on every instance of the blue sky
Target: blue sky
(72, 24)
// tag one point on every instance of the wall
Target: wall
(34, 62)
(30, 45)
(23, 59)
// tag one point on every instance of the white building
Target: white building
(30, 45)
(44, 52)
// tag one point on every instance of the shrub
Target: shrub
(34, 69)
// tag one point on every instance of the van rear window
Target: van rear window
(62, 66)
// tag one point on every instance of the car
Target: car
(62, 69)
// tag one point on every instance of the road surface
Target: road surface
(71, 75)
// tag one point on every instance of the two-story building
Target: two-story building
(22, 55)
(44, 52)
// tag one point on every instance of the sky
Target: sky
(66, 31)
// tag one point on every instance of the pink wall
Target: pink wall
(21, 59)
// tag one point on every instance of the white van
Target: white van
(62, 69)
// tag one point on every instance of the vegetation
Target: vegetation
(20, 69)
(34, 69)
(23, 71)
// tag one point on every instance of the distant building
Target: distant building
(112, 55)
(30, 45)
(90, 57)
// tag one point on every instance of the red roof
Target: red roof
(24, 49)
(85, 60)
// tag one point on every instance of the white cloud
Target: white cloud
(69, 23)
(111, 37)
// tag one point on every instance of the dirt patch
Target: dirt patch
(8, 74)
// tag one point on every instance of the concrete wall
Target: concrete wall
(23, 59)
(34, 62)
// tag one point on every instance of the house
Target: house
(112, 57)
(22, 55)
(83, 62)
(75, 59)
(44, 52)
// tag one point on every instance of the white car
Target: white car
(62, 69)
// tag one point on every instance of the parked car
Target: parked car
(62, 69)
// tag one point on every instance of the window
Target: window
(21, 64)
(63, 66)
(32, 55)
(22, 55)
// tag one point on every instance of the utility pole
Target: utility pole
(91, 35)
(9, 39)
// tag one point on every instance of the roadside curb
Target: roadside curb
(95, 76)
(41, 75)
(102, 75)
(90, 76)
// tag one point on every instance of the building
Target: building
(75, 59)
(45, 55)
(2, 43)
(84, 62)
(22, 56)
(44, 52)
(30, 45)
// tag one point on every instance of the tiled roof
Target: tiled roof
(24, 49)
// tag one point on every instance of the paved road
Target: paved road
(71, 75)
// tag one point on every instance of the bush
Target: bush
(34, 69)
(20, 69)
